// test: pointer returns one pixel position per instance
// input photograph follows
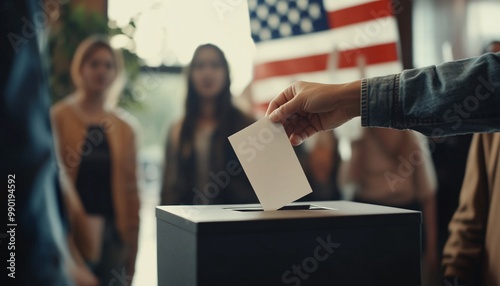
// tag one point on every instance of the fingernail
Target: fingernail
(296, 140)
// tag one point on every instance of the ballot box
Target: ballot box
(314, 243)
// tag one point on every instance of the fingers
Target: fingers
(297, 137)
(277, 115)
(279, 100)
(299, 128)
(292, 121)
(296, 140)
(303, 130)
(287, 108)
(283, 105)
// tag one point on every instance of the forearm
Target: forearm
(452, 98)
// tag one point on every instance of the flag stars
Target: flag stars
(282, 7)
(265, 34)
(314, 11)
(306, 26)
(255, 25)
(302, 4)
(262, 12)
(271, 19)
(294, 16)
(274, 21)
(285, 30)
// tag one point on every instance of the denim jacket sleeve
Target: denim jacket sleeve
(453, 98)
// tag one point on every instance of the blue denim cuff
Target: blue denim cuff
(380, 102)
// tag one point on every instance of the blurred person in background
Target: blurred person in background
(321, 162)
(97, 151)
(471, 253)
(201, 166)
(40, 245)
(450, 159)
(394, 168)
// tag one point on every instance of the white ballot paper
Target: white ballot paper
(268, 159)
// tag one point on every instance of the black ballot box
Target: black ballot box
(315, 243)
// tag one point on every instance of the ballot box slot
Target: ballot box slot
(285, 208)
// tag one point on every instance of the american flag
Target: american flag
(325, 41)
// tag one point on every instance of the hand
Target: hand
(80, 273)
(83, 277)
(306, 108)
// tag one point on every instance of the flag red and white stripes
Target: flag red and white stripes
(327, 41)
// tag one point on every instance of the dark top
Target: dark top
(93, 182)
(223, 188)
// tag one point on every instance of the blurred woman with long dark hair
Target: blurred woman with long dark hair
(201, 167)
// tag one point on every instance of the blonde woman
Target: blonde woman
(97, 154)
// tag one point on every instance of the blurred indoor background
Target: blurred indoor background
(158, 37)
